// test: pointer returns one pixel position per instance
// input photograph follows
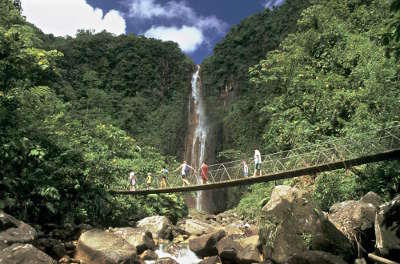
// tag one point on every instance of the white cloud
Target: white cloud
(188, 38)
(148, 9)
(195, 27)
(271, 3)
(65, 17)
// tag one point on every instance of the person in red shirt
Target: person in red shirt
(204, 171)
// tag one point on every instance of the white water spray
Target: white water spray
(200, 132)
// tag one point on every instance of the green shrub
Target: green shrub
(335, 187)
(252, 202)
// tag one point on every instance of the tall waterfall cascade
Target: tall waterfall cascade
(198, 125)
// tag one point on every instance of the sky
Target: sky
(196, 25)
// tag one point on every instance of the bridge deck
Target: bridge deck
(385, 155)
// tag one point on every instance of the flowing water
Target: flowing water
(182, 255)
(197, 132)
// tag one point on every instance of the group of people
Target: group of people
(257, 165)
(185, 173)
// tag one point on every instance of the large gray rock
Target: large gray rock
(166, 261)
(24, 254)
(149, 255)
(15, 231)
(360, 261)
(211, 260)
(251, 240)
(291, 223)
(159, 226)
(228, 249)
(355, 219)
(234, 228)
(387, 230)
(249, 254)
(51, 246)
(138, 237)
(197, 227)
(314, 257)
(206, 245)
(99, 247)
(372, 198)
(7, 221)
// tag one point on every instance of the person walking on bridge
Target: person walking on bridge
(185, 171)
(149, 179)
(257, 162)
(164, 174)
(132, 181)
(204, 172)
(245, 169)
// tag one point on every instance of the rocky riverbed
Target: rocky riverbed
(291, 230)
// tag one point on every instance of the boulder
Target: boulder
(138, 237)
(234, 229)
(197, 227)
(205, 245)
(387, 230)
(15, 231)
(291, 223)
(24, 253)
(211, 260)
(70, 245)
(314, 257)
(99, 247)
(149, 255)
(355, 219)
(159, 226)
(51, 246)
(252, 240)
(7, 221)
(249, 254)
(360, 261)
(228, 249)
(67, 231)
(372, 198)
(166, 261)
(227, 217)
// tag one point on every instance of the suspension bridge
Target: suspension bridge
(339, 153)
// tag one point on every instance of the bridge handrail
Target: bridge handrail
(322, 152)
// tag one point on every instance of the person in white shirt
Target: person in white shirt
(245, 169)
(132, 181)
(185, 172)
(257, 162)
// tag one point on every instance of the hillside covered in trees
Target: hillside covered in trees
(320, 70)
(78, 114)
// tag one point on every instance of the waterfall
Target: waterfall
(198, 124)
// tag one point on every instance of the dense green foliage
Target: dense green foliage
(69, 118)
(333, 77)
(225, 74)
(78, 114)
(136, 84)
(250, 205)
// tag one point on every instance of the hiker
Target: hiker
(132, 181)
(204, 171)
(185, 171)
(257, 162)
(164, 174)
(245, 169)
(148, 180)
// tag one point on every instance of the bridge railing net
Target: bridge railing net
(331, 151)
